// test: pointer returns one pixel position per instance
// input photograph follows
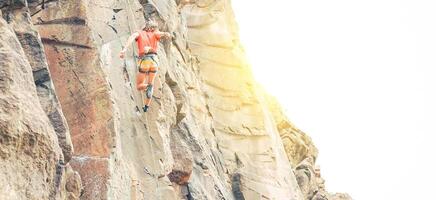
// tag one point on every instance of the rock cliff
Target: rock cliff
(211, 133)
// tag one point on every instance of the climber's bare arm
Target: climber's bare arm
(128, 43)
(164, 34)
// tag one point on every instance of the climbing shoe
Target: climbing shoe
(145, 108)
(149, 91)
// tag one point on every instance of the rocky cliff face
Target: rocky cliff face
(210, 133)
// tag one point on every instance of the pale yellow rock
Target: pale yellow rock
(298, 144)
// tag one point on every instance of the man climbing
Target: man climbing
(147, 41)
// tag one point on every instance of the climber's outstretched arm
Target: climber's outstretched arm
(128, 43)
(164, 34)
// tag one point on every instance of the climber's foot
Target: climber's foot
(145, 108)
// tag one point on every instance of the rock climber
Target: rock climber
(147, 41)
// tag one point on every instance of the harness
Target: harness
(148, 56)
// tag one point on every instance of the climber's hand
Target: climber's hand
(122, 53)
(169, 35)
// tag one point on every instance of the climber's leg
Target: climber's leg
(147, 100)
(140, 81)
(152, 70)
(144, 67)
(151, 75)
(150, 79)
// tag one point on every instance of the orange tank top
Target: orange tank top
(147, 39)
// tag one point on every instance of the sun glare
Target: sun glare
(358, 77)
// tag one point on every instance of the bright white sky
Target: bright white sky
(360, 78)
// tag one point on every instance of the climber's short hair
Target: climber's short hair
(150, 24)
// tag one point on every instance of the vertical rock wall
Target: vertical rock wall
(245, 130)
(81, 85)
(35, 143)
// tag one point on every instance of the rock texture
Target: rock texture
(34, 140)
(210, 132)
(298, 145)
